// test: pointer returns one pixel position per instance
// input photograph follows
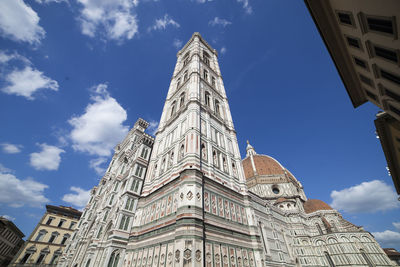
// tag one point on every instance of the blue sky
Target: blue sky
(76, 74)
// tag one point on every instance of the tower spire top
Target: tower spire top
(250, 150)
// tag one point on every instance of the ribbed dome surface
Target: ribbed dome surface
(313, 205)
(264, 165)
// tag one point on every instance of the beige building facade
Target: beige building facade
(362, 37)
(48, 240)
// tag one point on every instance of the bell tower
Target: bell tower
(194, 201)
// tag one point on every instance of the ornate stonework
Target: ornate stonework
(190, 195)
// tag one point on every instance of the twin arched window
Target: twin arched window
(114, 258)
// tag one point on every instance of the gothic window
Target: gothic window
(41, 235)
(173, 108)
(171, 160)
(144, 153)
(206, 58)
(215, 159)
(129, 204)
(185, 76)
(111, 200)
(213, 81)
(178, 83)
(204, 152)
(99, 232)
(135, 185)
(49, 220)
(87, 263)
(114, 258)
(155, 171)
(207, 98)
(182, 100)
(217, 108)
(105, 216)
(186, 59)
(122, 169)
(116, 186)
(124, 223)
(205, 75)
(181, 151)
(139, 170)
(225, 164)
(234, 170)
(162, 165)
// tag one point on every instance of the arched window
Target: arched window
(217, 108)
(178, 83)
(185, 76)
(182, 151)
(186, 59)
(206, 58)
(114, 258)
(182, 100)
(87, 263)
(205, 75)
(99, 232)
(207, 99)
(173, 108)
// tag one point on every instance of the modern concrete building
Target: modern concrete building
(10, 240)
(362, 37)
(186, 198)
(47, 241)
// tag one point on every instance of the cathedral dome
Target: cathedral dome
(313, 205)
(264, 165)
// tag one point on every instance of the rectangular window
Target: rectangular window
(366, 80)
(386, 53)
(345, 18)
(72, 225)
(64, 240)
(353, 42)
(359, 62)
(390, 77)
(49, 220)
(205, 75)
(25, 258)
(213, 81)
(52, 237)
(40, 259)
(144, 153)
(384, 25)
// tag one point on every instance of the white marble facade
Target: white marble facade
(184, 198)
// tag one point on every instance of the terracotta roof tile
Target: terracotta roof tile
(313, 205)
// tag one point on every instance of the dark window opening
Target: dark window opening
(390, 77)
(360, 62)
(380, 25)
(385, 53)
(345, 18)
(353, 42)
(275, 190)
(25, 258)
(395, 110)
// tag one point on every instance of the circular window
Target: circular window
(275, 189)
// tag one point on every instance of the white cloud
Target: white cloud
(26, 81)
(161, 24)
(366, 197)
(219, 21)
(223, 50)
(115, 19)
(4, 169)
(100, 128)
(153, 127)
(387, 238)
(20, 22)
(96, 165)
(10, 218)
(177, 43)
(17, 193)
(10, 148)
(396, 225)
(51, 1)
(246, 6)
(47, 159)
(79, 198)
